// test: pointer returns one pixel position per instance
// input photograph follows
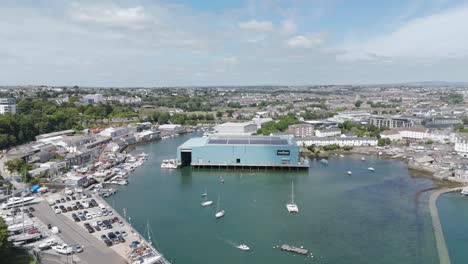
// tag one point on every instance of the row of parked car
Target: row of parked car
(105, 224)
(114, 238)
(75, 206)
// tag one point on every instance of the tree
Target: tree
(163, 118)
(15, 165)
(5, 245)
(358, 103)
(219, 114)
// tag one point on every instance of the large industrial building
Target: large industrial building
(244, 128)
(241, 152)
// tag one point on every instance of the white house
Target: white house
(461, 147)
(342, 142)
(413, 133)
(327, 132)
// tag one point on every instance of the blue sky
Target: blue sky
(243, 42)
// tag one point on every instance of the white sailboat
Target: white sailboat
(292, 206)
(350, 172)
(206, 202)
(371, 169)
(219, 213)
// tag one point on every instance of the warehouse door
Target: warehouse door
(186, 158)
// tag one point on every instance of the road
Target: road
(95, 251)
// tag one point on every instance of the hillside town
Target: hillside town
(80, 150)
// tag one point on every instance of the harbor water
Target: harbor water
(366, 217)
(453, 211)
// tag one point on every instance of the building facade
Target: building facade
(237, 151)
(7, 105)
(327, 132)
(342, 142)
(246, 128)
(301, 130)
(390, 122)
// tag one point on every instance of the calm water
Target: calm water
(453, 211)
(364, 218)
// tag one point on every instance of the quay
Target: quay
(142, 239)
(205, 165)
(293, 249)
(444, 257)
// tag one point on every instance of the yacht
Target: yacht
(16, 201)
(206, 202)
(143, 156)
(219, 213)
(292, 206)
(341, 155)
(169, 164)
(464, 191)
(243, 247)
(349, 173)
(324, 161)
(363, 159)
(371, 169)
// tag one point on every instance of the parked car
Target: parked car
(31, 209)
(77, 248)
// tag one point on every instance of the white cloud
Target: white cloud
(261, 26)
(288, 27)
(111, 16)
(310, 41)
(431, 37)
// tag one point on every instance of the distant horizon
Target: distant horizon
(416, 83)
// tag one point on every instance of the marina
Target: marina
(251, 197)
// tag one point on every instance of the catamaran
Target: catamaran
(206, 202)
(219, 213)
(292, 206)
(17, 201)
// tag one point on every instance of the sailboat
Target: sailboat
(292, 206)
(371, 169)
(204, 194)
(206, 202)
(219, 212)
(221, 179)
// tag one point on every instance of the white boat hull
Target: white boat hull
(220, 214)
(292, 208)
(207, 203)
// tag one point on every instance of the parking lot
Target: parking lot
(95, 222)
(94, 249)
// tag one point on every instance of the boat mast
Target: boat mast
(217, 205)
(292, 192)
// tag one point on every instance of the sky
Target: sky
(155, 43)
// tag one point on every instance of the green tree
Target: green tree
(358, 103)
(5, 245)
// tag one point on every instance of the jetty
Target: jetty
(293, 249)
(444, 257)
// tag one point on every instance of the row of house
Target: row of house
(341, 141)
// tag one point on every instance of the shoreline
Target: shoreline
(444, 256)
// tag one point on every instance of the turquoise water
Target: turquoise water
(453, 212)
(369, 217)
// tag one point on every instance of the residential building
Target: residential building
(7, 105)
(342, 141)
(244, 128)
(390, 122)
(301, 130)
(442, 122)
(330, 132)
(461, 147)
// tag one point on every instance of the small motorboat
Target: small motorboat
(363, 159)
(219, 214)
(350, 172)
(204, 194)
(221, 180)
(371, 169)
(324, 161)
(464, 191)
(341, 155)
(243, 247)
